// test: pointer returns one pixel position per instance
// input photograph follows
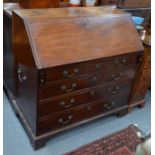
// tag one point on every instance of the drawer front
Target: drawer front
(69, 117)
(76, 99)
(66, 102)
(76, 84)
(80, 69)
(142, 86)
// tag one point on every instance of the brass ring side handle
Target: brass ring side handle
(114, 90)
(68, 75)
(117, 76)
(64, 105)
(22, 77)
(64, 122)
(119, 63)
(67, 90)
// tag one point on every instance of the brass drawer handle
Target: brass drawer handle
(113, 91)
(64, 88)
(92, 93)
(119, 63)
(98, 66)
(94, 79)
(66, 73)
(117, 76)
(22, 77)
(88, 107)
(108, 105)
(67, 105)
(61, 120)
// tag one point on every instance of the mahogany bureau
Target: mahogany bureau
(73, 65)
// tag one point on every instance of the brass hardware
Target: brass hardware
(42, 77)
(92, 93)
(139, 59)
(61, 120)
(42, 80)
(113, 91)
(64, 88)
(94, 79)
(119, 63)
(88, 108)
(97, 66)
(66, 73)
(22, 77)
(117, 76)
(68, 105)
(108, 105)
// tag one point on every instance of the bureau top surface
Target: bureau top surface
(70, 35)
(69, 12)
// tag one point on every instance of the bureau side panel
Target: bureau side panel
(26, 73)
(27, 94)
(8, 57)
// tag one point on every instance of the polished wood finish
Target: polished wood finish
(87, 111)
(108, 2)
(27, 93)
(56, 78)
(9, 77)
(27, 4)
(141, 88)
(47, 92)
(84, 68)
(143, 81)
(134, 3)
(76, 27)
(84, 96)
(10, 1)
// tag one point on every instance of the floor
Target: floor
(17, 143)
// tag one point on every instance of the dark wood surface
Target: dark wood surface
(46, 74)
(87, 111)
(27, 4)
(85, 68)
(142, 86)
(134, 3)
(47, 92)
(107, 2)
(9, 76)
(10, 1)
(85, 47)
(27, 93)
(72, 101)
(143, 81)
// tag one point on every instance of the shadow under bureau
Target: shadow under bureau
(73, 65)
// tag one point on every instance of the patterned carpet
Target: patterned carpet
(123, 142)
